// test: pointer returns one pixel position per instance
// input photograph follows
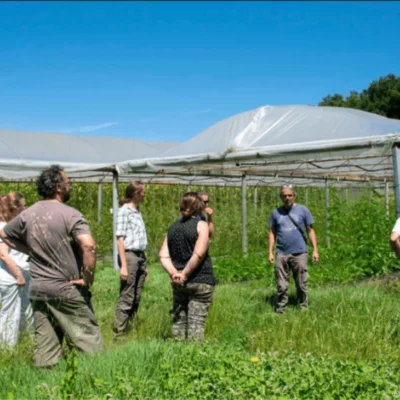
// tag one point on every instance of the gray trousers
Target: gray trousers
(191, 304)
(298, 264)
(55, 319)
(130, 292)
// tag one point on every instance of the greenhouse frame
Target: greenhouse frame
(307, 146)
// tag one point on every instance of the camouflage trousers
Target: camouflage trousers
(191, 304)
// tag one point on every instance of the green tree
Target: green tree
(336, 100)
(381, 97)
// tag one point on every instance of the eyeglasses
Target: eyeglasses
(287, 186)
(287, 195)
(205, 201)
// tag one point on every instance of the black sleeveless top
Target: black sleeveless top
(182, 236)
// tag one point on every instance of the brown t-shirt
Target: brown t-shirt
(49, 230)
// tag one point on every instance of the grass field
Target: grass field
(345, 346)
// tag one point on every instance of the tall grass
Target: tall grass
(352, 328)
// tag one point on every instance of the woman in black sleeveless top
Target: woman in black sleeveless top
(184, 255)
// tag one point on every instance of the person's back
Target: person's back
(182, 236)
(62, 255)
(49, 231)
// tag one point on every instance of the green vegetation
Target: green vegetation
(345, 346)
(382, 97)
(358, 226)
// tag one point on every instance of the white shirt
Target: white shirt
(19, 258)
(396, 227)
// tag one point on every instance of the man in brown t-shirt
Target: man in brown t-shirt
(62, 257)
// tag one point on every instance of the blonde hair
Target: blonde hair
(9, 203)
(5, 214)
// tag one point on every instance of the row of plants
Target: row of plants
(213, 371)
(345, 346)
(352, 233)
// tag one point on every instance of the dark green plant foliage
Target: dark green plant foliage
(357, 225)
(213, 371)
(382, 97)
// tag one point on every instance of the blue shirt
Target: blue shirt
(289, 238)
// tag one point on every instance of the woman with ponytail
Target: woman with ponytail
(132, 243)
(184, 255)
(16, 310)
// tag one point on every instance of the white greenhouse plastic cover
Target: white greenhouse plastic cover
(269, 144)
(24, 154)
(303, 142)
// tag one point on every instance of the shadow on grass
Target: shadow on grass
(270, 299)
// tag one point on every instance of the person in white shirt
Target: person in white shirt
(395, 238)
(16, 311)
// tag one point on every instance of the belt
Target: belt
(136, 252)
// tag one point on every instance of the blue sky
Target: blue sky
(168, 70)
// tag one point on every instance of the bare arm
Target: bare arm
(271, 245)
(13, 243)
(88, 247)
(165, 259)
(395, 243)
(313, 240)
(200, 250)
(210, 212)
(122, 256)
(10, 265)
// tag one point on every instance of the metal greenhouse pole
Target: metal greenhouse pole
(396, 176)
(328, 239)
(115, 214)
(99, 201)
(244, 215)
(387, 199)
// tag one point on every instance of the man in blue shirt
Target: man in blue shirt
(288, 226)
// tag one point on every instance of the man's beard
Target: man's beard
(66, 195)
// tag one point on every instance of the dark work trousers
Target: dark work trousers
(130, 291)
(69, 318)
(298, 264)
(87, 295)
